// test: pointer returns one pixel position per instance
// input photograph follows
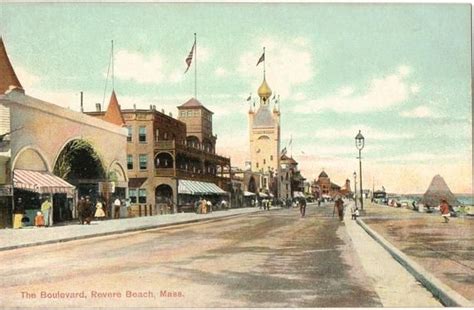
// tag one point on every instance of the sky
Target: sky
(400, 73)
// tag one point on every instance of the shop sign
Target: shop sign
(107, 187)
(6, 190)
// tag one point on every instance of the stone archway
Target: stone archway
(79, 164)
(164, 160)
(164, 199)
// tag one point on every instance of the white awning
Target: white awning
(41, 182)
(199, 188)
(248, 194)
(298, 194)
(262, 195)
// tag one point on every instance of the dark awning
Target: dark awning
(136, 182)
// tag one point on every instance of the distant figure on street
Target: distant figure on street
(87, 213)
(444, 209)
(197, 206)
(99, 210)
(223, 204)
(319, 202)
(303, 207)
(39, 219)
(209, 206)
(339, 206)
(117, 205)
(81, 205)
(46, 208)
(354, 212)
(203, 206)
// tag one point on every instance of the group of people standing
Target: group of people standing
(86, 210)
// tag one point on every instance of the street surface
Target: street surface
(446, 250)
(268, 259)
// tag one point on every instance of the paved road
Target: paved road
(270, 259)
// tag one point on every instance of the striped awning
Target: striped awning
(298, 195)
(248, 194)
(41, 182)
(261, 194)
(199, 188)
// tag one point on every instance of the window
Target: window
(129, 162)
(264, 161)
(142, 195)
(256, 165)
(132, 194)
(143, 161)
(165, 136)
(129, 134)
(190, 113)
(142, 134)
(264, 182)
(157, 134)
(196, 112)
(183, 113)
(271, 157)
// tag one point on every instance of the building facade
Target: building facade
(48, 150)
(324, 188)
(169, 166)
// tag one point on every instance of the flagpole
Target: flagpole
(195, 67)
(113, 77)
(264, 62)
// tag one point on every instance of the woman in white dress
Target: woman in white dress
(99, 210)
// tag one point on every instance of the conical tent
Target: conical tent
(438, 190)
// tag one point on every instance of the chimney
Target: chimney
(151, 107)
(97, 107)
(163, 111)
(154, 107)
(82, 102)
(134, 107)
(171, 114)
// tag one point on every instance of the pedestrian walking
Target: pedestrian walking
(354, 212)
(303, 207)
(339, 206)
(39, 219)
(444, 209)
(46, 208)
(117, 205)
(81, 206)
(208, 206)
(99, 210)
(203, 206)
(18, 211)
(87, 213)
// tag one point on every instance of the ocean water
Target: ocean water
(466, 199)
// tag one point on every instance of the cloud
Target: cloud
(27, 79)
(221, 72)
(288, 63)
(381, 93)
(368, 132)
(130, 65)
(420, 112)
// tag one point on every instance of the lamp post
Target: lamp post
(355, 188)
(359, 142)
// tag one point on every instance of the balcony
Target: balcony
(168, 145)
(163, 145)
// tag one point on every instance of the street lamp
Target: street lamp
(359, 142)
(355, 188)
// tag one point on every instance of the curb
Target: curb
(445, 294)
(123, 231)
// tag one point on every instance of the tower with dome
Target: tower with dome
(264, 135)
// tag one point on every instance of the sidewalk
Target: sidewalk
(31, 236)
(445, 250)
(390, 279)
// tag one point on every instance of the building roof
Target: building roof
(286, 159)
(263, 117)
(264, 91)
(323, 175)
(8, 77)
(193, 103)
(113, 114)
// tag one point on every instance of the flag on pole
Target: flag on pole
(189, 59)
(283, 152)
(250, 97)
(291, 140)
(262, 58)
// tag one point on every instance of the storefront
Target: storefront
(34, 186)
(189, 192)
